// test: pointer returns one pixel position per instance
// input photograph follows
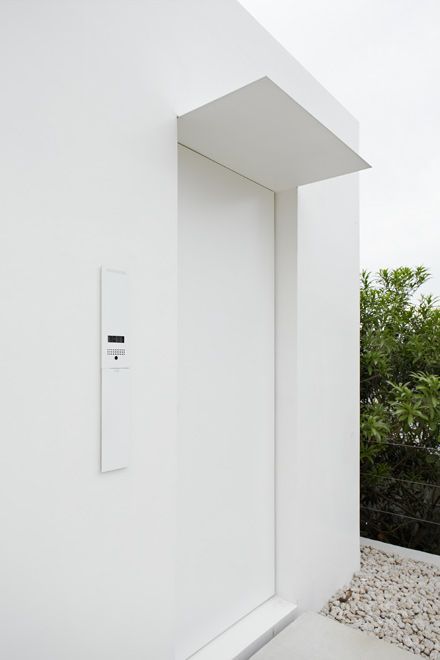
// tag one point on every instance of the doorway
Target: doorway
(226, 526)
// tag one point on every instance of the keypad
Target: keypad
(116, 351)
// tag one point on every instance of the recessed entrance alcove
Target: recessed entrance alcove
(241, 160)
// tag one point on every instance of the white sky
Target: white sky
(381, 60)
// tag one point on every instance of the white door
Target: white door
(225, 542)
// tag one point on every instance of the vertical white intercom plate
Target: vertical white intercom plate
(115, 370)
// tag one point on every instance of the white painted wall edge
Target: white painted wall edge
(251, 633)
(408, 553)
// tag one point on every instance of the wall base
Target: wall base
(251, 633)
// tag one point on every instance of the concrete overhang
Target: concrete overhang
(262, 133)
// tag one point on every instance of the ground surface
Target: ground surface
(394, 598)
(315, 637)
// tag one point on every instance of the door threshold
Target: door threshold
(248, 635)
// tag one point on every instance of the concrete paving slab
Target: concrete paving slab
(315, 637)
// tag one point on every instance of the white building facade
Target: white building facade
(179, 142)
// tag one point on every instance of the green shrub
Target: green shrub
(400, 409)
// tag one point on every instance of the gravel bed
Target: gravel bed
(394, 598)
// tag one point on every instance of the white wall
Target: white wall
(317, 389)
(327, 451)
(88, 175)
(286, 433)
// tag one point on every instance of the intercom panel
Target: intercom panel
(115, 370)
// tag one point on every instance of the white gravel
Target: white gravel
(396, 599)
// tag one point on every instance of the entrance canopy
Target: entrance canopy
(262, 133)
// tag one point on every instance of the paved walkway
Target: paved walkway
(315, 637)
